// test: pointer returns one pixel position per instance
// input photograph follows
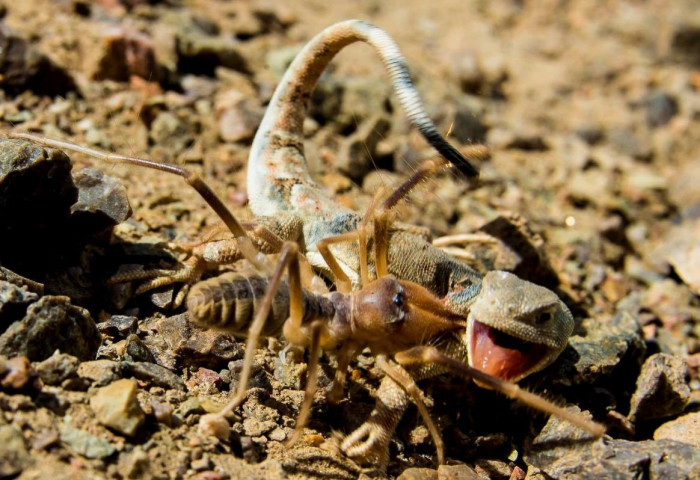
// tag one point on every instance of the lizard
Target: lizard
(514, 327)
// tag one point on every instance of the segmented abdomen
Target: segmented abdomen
(230, 302)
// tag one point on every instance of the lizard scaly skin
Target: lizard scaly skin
(285, 198)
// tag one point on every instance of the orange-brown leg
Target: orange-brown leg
(428, 355)
(212, 423)
(311, 383)
(403, 378)
(345, 356)
(380, 214)
(342, 281)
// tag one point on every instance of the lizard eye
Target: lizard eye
(543, 317)
(398, 299)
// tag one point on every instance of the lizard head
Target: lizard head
(514, 327)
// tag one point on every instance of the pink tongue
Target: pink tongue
(501, 362)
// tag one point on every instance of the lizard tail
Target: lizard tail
(408, 96)
(277, 150)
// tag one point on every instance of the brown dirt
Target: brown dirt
(591, 110)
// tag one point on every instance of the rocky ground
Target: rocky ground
(592, 114)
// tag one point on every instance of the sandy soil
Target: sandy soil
(591, 111)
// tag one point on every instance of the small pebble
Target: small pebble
(118, 326)
(16, 373)
(57, 368)
(277, 435)
(116, 406)
(100, 372)
(162, 411)
(153, 374)
(204, 382)
(661, 108)
(137, 351)
(85, 444)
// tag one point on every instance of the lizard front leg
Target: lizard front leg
(369, 443)
(218, 248)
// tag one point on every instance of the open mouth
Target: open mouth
(503, 355)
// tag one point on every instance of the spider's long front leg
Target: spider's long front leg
(246, 246)
(428, 355)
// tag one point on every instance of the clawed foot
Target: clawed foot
(190, 273)
(368, 444)
(214, 425)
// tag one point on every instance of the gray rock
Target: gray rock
(589, 186)
(196, 87)
(173, 131)
(24, 68)
(661, 108)
(57, 368)
(682, 189)
(561, 451)
(83, 443)
(525, 253)
(277, 435)
(51, 324)
(116, 406)
(163, 299)
(469, 125)
(606, 350)
(180, 344)
(124, 53)
(118, 326)
(279, 59)
(591, 134)
(36, 184)
(100, 372)
(134, 464)
(662, 388)
(255, 428)
(684, 429)
(200, 54)
(258, 376)
(13, 302)
(102, 203)
(137, 351)
(627, 142)
(681, 249)
(153, 374)
(191, 406)
(15, 456)
(357, 152)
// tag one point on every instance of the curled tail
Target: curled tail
(278, 178)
